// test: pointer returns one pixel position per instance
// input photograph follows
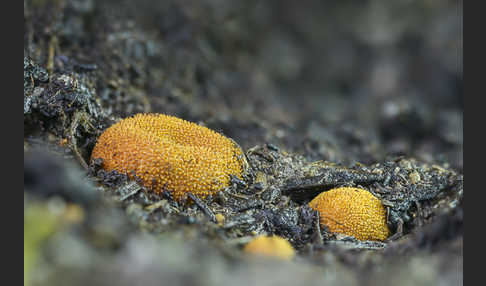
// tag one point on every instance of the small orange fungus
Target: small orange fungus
(272, 246)
(169, 153)
(352, 211)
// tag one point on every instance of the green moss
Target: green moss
(39, 224)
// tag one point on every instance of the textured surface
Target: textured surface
(168, 153)
(279, 72)
(274, 246)
(352, 211)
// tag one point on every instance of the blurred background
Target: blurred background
(343, 81)
(311, 76)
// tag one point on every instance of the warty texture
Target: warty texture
(352, 211)
(169, 153)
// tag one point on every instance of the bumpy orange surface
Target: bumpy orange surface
(352, 211)
(169, 153)
(274, 246)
